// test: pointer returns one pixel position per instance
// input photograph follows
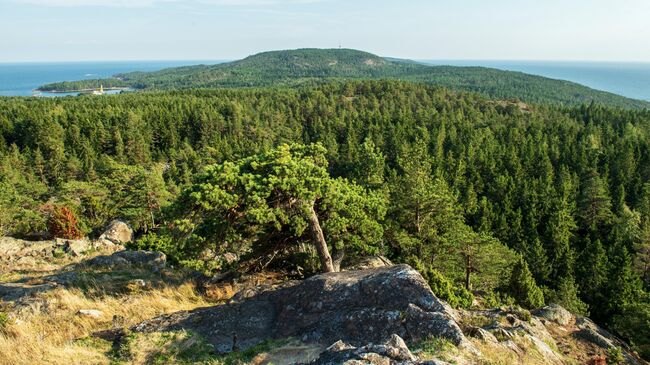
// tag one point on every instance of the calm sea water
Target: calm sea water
(20, 79)
(627, 79)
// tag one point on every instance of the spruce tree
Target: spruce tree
(594, 204)
(623, 286)
(522, 286)
(568, 296)
(538, 261)
(592, 271)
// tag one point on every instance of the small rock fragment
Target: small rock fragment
(90, 313)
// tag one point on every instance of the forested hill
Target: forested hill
(304, 67)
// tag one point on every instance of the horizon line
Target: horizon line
(223, 60)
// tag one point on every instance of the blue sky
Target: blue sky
(72, 30)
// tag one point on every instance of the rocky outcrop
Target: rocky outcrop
(22, 254)
(15, 291)
(357, 307)
(590, 331)
(552, 332)
(125, 259)
(555, 313)
(117, 232)
(392, 352)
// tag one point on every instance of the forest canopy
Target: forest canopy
(465, 188)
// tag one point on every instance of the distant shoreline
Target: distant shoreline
(88, 90)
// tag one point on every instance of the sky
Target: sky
(85, 30)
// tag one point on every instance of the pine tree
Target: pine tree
(642, 254)
(594, 204)
(522, 286)
(623, 286)
(371, 166)
(568, 296)
(592, 272)
(537, 260)
(277, 198)
(119, 146)
(39, 165)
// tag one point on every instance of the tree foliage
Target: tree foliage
(268, 202)
(522, 287)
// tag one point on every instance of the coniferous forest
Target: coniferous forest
(524, 203)
(311, 67)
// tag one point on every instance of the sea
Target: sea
(21, 79)
(627, 79)
(630, 79)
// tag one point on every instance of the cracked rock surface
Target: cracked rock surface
(356, 307)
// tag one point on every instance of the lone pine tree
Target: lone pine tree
(285, 196)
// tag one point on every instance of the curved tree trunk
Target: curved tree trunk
(319, 241)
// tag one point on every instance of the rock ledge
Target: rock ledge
(357, 307)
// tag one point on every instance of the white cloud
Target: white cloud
(148, 3)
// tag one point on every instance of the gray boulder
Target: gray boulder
(358, 307)
(545, 350)
(482, 334)
(93, 313)
(74, 247)
(555, 313)
(117, 232)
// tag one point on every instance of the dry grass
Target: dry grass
(497, 354)
(46, 334)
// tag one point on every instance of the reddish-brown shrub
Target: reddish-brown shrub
(62, 223)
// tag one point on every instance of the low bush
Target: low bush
(62, 222)
(443, 288)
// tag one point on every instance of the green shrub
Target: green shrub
(523, 288)
(155, 242)
(633, 324)
(478, 320)
(443, 288)
(176, 254)
(522, 314)
(497, 299)
(615, 356)
(567, 295)
(206, 267)
(434, 347)
(4, 320)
